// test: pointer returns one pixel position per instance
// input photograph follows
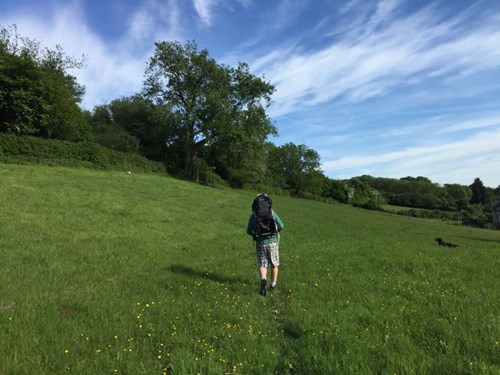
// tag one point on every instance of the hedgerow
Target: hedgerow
(33, 150)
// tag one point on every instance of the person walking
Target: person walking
(264, 226)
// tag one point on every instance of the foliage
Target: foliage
(146, 127)
(450, 202)
(453, 216)
(152, 125)
(478, 215)
(361, 195)
(104, 272)
(206, 175)
(479, 192)
(496, 193)
(297, 166)
(337, 190)
(117, 140)
(457, 196)
(37, 95)
(237, 146)
(218, 107)
(35, 150)
(417, 192)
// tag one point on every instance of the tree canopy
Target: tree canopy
(479, 192)
(297, 165)
(37, 95)
(215, 105)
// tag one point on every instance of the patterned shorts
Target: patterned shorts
(268, 255)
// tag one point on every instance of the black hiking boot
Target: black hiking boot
(263, 287)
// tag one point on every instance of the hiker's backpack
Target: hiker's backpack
(264, 225)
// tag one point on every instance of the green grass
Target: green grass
(104, 272)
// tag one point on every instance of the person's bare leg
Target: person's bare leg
(274, 276)
(263, 272)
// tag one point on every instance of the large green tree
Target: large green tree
(237, 143)
(297, 165)
(217, 107)
(479, 192)
(457, 196)
(37, 94)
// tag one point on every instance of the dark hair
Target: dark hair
(256, 200)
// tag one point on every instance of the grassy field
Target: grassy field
(105, 272)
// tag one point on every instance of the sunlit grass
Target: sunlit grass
(104, 272)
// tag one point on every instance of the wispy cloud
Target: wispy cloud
(350, 5)
(285, 14)
(431, 161)
(393, 52)
(472, 124)
(141, 24)
(204, 10)
(155, 20)
(207, 9)
(112, 70)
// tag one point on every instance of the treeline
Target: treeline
(470, 204)
(202, 121)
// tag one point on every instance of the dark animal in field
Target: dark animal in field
(442, 242)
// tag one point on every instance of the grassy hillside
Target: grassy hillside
(105, 272)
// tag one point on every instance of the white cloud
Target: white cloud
(153, 20)
(141, 24)
(477, 155)
(393, 52)
(113, 69)
(472, 124)
(350, 5)
(204, 10)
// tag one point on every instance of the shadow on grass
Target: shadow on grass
(209, 275)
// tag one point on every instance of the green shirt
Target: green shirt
(268, 240)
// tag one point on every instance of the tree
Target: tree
(297, 164)
(216, 106)
(479, 192)
(338, 190)
(362, 195)
(108, 134)
(495, 195)
(237, 145)
(37, 95)
(457, 196)
(153, 125)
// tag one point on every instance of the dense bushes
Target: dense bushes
(478, 215)
(28, 150)
(428, 214)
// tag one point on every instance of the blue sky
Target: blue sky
(388, 88)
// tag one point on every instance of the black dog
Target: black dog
(441, 242)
